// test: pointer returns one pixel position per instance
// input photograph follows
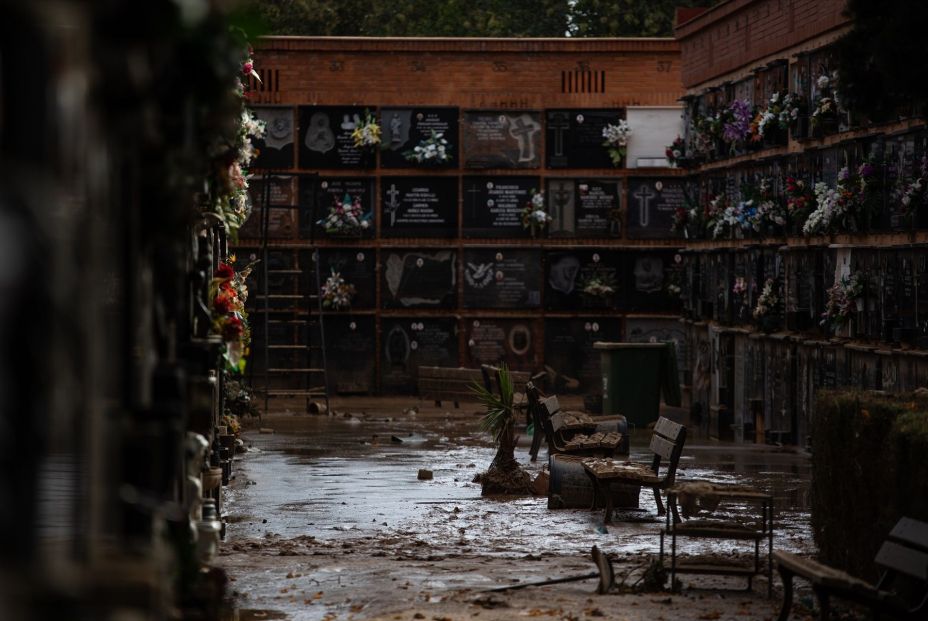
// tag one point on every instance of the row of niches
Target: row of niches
(798, 100)
(489, 278)
(860, 293)
(766, 385)
(346, 137)
(498, 206)
(872, 184)
(358, 345)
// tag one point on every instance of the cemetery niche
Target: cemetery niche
(344, 208)
(582, 279)
(584, 207)
(351, 350)
(275, 149)
(326, 141)
(434, 131)
(357, 267)
(501, 139)
(574, 138)
(493, 206)
(419, 206)
(411, 342)
(570, 360)
(652, 202)
(282, 204)
(652, 281)
(491, 341)
(418, 279)
(502, 278)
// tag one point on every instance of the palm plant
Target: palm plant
(505, 475)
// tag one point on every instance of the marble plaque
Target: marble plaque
(411, 342)
(275, 150)
(402, 129)
(501, 139)
(351, 349)
(574, 138)
(419, 206)
(492, 341)
(325, 138)
(582, 279)
(572, 363)
(652, 202)
(357, 266)
(502, 278)
(493, 205)
(652, 281)
(418, 279)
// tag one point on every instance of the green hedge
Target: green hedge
(869, 468)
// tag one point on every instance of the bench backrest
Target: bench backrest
(906, 549)
(667, 444)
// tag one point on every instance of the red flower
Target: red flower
(232, 329)
(223, 303)
(224, 271)
(248, 67)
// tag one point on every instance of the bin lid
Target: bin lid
(607, 345)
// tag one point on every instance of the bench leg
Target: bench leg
(660, 503)
(437, 403)
(607, 518)
(787, 578)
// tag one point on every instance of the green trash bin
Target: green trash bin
(634, 376)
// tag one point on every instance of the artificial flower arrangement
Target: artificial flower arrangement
(846, 207)
(910, 192)
(781, 113)
(767, 300)
(688, 218)
(676, 152)
(431, 150)
(232, 154)
(799, 199)
(336, 293)
(842, 301)
(740, 290)
(533, 214)
(770, 212)
(718, 213)
(825, 107)
(598, 285)
(228, 294)
(346, 216)
(736, 129)
(366, 134)
(616, 140)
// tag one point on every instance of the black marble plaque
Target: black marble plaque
(330, 192)
(275, 150)
(501, 139)
(492, 341)
(419, 206)
(418, 278)
(411, 342)
(561, 197)
(597, 208)
(493, 205)
(402, 129)
(578, 279)
(325, 138)
(570, 355)
(351, 350)
(574, 138)
(502, 278)
(652, 202)
(357, 266)
(652, 281)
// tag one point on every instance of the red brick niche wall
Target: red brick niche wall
(477, 73)
(472, 287)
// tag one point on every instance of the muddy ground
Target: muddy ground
(327, 520)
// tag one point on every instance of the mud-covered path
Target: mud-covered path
(327, 519)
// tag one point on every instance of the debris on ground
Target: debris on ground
(425, 475)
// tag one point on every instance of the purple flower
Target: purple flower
(865, 170)
(740, 125)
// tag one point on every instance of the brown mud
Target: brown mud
(327, 519)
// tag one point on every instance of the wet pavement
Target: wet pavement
(327, 518)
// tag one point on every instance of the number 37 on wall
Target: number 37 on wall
(663, 66)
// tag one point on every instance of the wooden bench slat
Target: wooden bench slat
(904, 560)
(662, 447)
(912, 532)
(667, 428)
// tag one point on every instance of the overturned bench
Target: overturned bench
(453, 384)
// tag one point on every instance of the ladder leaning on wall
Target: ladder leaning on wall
(299, 368)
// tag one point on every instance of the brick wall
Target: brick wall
(477, 73)
(738, 34)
